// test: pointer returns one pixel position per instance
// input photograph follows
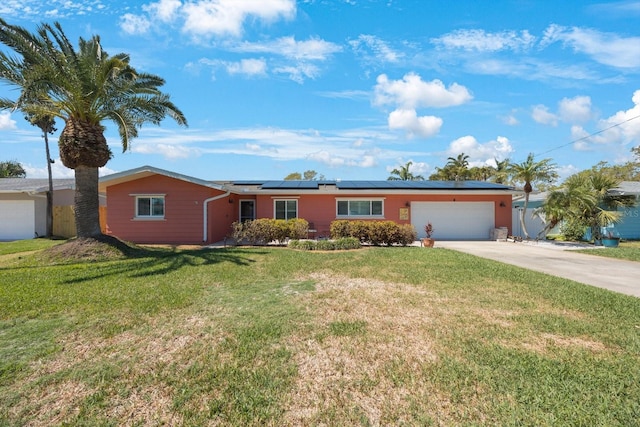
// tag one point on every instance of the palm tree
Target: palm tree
(530, 172)
(404, 174)
(46, 125)
(83, 88)
(11, 169)
(459, 166)
(586, 199)
(501, 172)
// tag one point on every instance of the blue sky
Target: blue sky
(354, 88)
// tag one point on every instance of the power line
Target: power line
(588, 136)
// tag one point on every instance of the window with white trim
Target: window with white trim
(360, 208)
(151, 207)
(285, 209)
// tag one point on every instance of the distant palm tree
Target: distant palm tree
(501, 172)
(82, 87)
(530, 172)
(404, 174)
(11, 169)
(459, 166)
(46, 125)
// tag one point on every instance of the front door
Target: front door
(247, 210)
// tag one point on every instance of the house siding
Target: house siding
(320, 209)
(629, 225)
(184, 215)
(222, 213)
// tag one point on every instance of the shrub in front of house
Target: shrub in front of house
(342, 244)
(304, 245)
(265, 230)
(374, 232)
(573, 230)
(347, 243)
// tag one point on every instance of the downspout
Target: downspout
(206, 221)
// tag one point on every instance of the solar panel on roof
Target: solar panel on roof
(247, 182)
(420, 185)
(282, 185)
(376, 185)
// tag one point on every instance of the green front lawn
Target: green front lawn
(626, 250)
(272, 336)
(27, 245)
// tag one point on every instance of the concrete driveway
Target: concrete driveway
(558, 259)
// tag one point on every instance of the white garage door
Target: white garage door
(454, 220)
(17, 219)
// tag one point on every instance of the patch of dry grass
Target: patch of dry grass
(134, 362)
(349, 376)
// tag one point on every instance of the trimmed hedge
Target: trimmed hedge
(343, 244)
(375, 232)
(265, 230)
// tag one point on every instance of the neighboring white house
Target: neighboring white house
(533, 223)
(23, 205)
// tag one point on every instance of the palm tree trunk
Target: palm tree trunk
(87, 202)
(522, 214)
(50, 192)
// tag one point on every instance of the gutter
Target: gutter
(205, 216)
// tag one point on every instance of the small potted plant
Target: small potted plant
(610, 237)
(428, 242)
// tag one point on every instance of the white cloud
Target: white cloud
(416, 168)
(227, 17)
(328, 159)
(298, 73)
(373, 49)
(412, 92)
(575, 110)
(58, 170)
(570, 110)
(248, 67)
(605, 48)
(542, 115)
(49, 9)
(510, 120)
(164, 10)
(134, 24)
(299, 57)
(313, 49)
(481, 154)
(6, 122)
(622, 128)
(408, 120)
(168, 151)
(208, 18)
(368, 161)
(482, 41)
(580, 136)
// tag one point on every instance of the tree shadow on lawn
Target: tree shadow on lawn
(136, 261)
(153, 262)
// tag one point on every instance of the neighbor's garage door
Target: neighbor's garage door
(454, 220)
(17, 219)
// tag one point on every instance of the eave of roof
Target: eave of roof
(286, 187)
(145, 171)
(34, 185)
(627, 188)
